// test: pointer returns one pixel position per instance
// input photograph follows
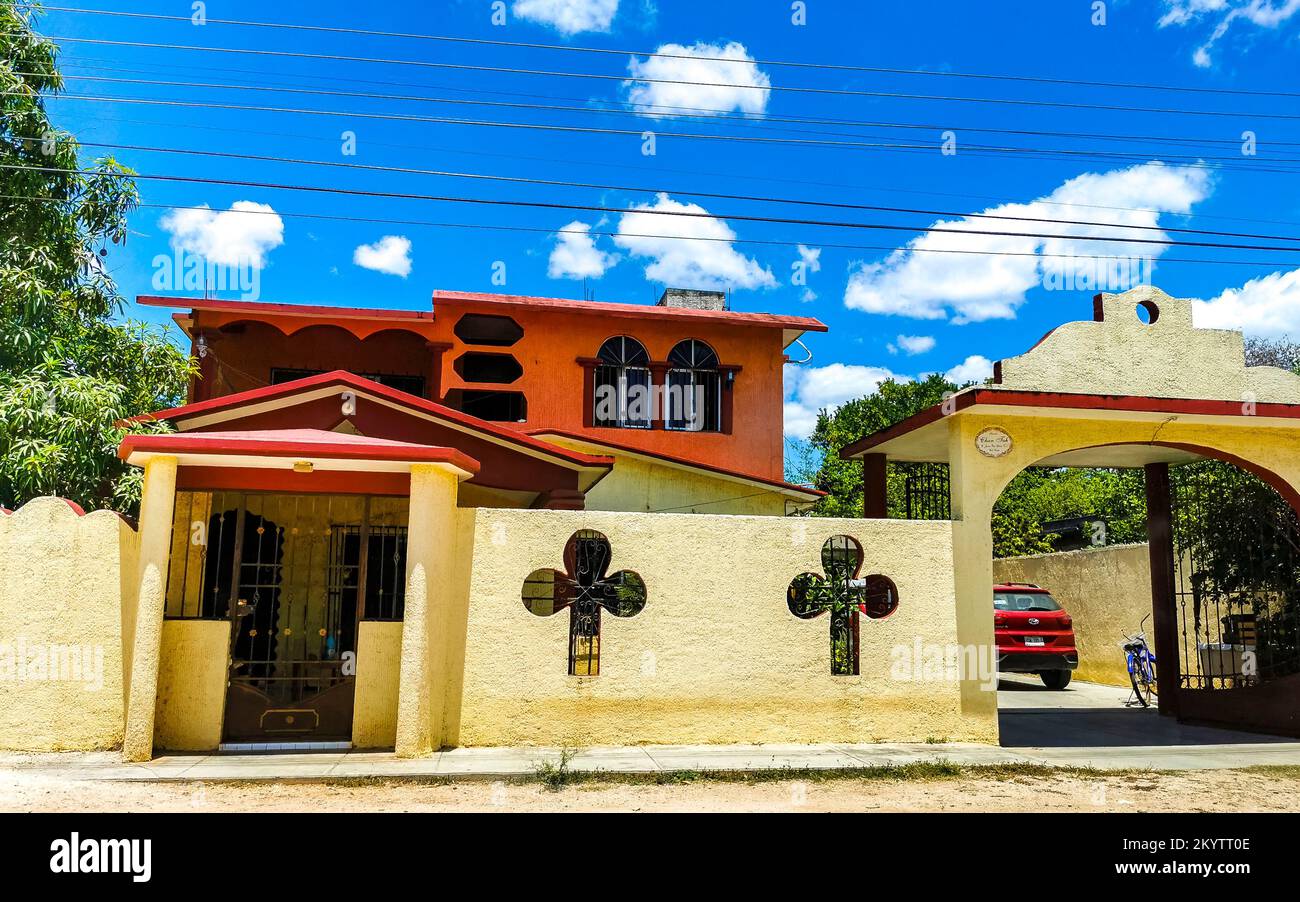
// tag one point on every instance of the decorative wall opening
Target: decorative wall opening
(585, 588)
(480, 366)
(487, 329)
(842, 595)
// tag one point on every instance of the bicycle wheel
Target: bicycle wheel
(1143, 685)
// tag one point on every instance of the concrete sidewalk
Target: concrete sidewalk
(1086, 725)
(502, 763)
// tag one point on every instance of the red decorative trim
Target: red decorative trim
(210, 443)
(1071, 401)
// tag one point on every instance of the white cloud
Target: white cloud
(725, 85)
(712, 263)
(810, 259)
(975, 368)
(912, 345)
(808, 390)
(390, 254)
(575, 255)
(1268, 306)
(240, 236)
(568, 16)
(1268, 14)
(912, 281)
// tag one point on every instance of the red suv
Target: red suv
(1033, 634)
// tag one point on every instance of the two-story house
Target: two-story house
(563, 404)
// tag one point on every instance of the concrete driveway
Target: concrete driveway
(1088, 724)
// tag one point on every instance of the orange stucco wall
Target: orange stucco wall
(552, 381)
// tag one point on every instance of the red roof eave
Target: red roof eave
(634, 311)
(206, 443)
(268, 309)
(1038, 400)
(343, 377)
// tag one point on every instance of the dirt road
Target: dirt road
(1275, 789)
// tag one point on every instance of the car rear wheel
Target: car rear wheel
(1055, 679)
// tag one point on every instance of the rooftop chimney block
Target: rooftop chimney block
(695, 300)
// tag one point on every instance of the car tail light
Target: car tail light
(999, 621)
(1067, 622)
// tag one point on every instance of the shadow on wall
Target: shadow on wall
(1106, 590)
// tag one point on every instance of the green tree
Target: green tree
(891, 403)
(70, 370)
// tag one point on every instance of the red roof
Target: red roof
(218, 306)
(605, 308)
(635, 311)
(342, 377)
(296, 443)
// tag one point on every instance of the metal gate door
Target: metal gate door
(1237, 599)
(288, 571)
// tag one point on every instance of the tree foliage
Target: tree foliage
(70, 370)
(891, 403)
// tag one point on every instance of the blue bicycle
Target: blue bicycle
(1141, 663)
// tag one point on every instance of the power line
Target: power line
(694, 172)
(705, 118)
(644, 190)
(837, 67)
(1021, 153)
(365, 220)
(549, 73)
(600, 208)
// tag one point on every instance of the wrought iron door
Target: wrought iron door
(1237, 598)
(294, 575)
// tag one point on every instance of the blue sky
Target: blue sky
(893, 306)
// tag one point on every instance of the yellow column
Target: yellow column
(156, 504)
(431, 594)
(974, 489)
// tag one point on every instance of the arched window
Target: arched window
(694, 396)
(622, 385)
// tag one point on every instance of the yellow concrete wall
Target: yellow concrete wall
(1169, 358)
(379, 661)
(1107, 591)
(641, 485)
(192, 673)
(61, 592)
(715, 656)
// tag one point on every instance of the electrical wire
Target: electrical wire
(548, 73)
(672, 191)
(836, 67)
(1020, 153)
(588, 163)
(601, 208)
(710, 114)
